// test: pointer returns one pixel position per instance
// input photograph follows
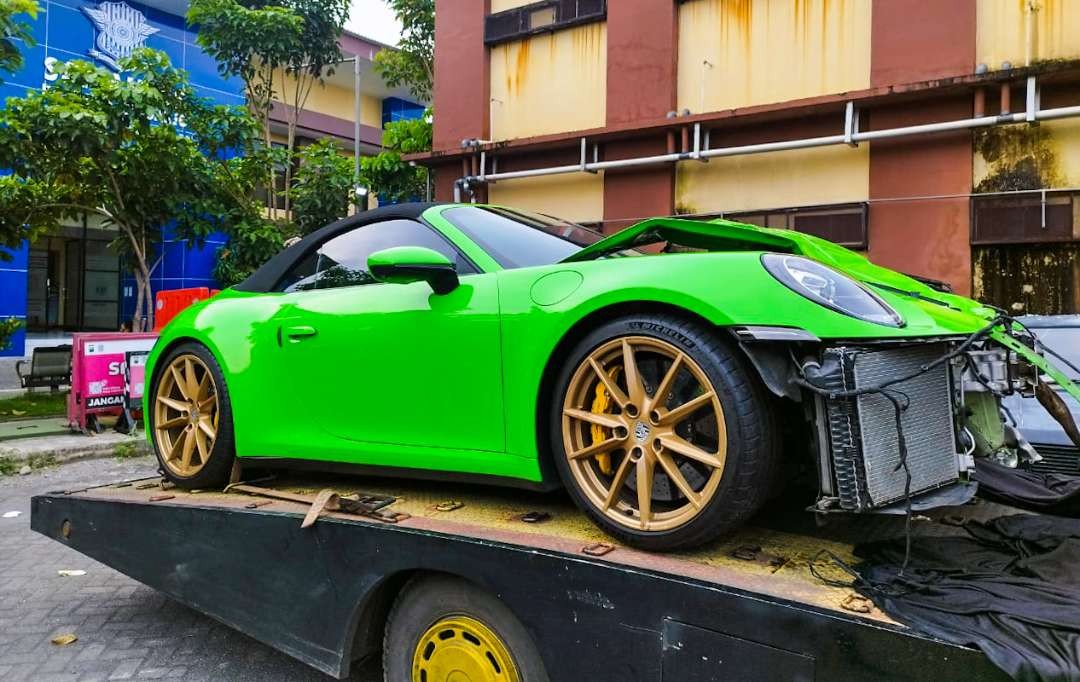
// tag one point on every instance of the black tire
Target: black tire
(426, 600)
(753, 455)
(215, 473)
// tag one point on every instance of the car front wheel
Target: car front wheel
(661, 433)
(191, 419)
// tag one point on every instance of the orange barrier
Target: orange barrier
(168, 304)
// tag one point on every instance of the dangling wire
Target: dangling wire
(899, 408)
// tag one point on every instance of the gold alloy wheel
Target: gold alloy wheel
(666, 421)
(186, 415)
(462, 649)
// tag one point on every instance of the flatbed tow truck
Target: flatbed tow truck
(746, 608)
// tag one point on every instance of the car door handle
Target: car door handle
(299, 332)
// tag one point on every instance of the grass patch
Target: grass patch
(29, 405)
(41, 461)
(130, 449)
(9, 467)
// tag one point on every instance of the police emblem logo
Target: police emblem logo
(120, 28)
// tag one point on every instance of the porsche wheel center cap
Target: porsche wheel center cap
(641, 432)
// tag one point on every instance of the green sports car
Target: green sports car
(671, 376)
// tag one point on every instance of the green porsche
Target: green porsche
(673, 376)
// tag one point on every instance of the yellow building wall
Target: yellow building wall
(1002, 32)
(573, 196)
(333, 101)
(550, 83)
(737, 53)
(784, 179)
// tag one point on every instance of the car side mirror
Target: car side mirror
(407, 264)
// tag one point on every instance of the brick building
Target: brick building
(788, 113)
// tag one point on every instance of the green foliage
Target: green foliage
(8, 328)
(14, 27)
(410, 136)
(251, 243)
(139, 151)
(387, 174)
(323, 187)
(413, 63)
(279, 48)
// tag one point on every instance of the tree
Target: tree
(386, 173)
(279, 48)
(139, 151)
(324, 182)
(12, 28)
(413, 63)
(251, 243)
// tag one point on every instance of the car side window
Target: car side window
(342, 261)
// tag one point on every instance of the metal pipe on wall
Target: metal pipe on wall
(853, 137)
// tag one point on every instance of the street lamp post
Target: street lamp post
(356, 136)
(357, 196)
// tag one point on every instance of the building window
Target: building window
(541, 17)
(844, 224)
(1024, 218)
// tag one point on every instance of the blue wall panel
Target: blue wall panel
(13, 283)
(397, 109)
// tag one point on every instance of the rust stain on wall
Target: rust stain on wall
(1038, 279)
(1019, 157)
(738, 13)
(521, 68)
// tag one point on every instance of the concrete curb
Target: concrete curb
(58, 449)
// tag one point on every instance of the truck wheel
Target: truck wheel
(444, 629)
(661, 434)
(190, 419)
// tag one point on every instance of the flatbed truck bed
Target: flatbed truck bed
(748, 607)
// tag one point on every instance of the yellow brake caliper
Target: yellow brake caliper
(600, 405)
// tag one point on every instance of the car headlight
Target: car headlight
(829, 288)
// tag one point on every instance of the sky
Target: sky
(373, 19)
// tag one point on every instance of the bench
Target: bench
(48, 367)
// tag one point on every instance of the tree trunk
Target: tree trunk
(143, 315)
(147, 316)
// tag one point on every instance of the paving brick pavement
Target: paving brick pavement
(126, 631)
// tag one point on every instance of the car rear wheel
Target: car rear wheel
(191, 419)
(444, 629)
(661, 433)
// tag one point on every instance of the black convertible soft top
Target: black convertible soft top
(264, 279)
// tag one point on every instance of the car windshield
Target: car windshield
(517, 239)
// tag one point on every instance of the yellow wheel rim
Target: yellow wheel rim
(651, 455)
(185, 415)
(462, 649)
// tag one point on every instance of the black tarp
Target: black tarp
(1010, 587)
(1051, 493)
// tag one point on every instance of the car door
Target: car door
(385, 365)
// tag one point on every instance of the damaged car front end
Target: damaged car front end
(899, 406)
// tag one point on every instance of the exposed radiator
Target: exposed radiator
(863, 437)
